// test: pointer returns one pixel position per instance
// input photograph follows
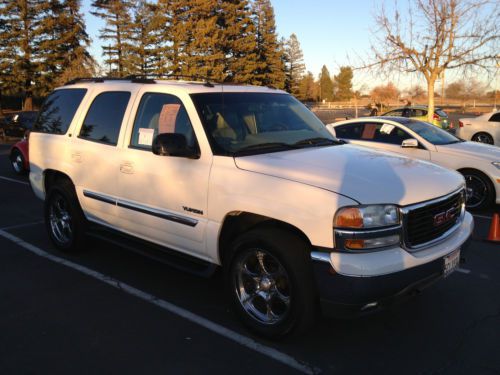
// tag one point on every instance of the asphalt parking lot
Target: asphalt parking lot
(108, 310)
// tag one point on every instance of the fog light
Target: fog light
(372, 243)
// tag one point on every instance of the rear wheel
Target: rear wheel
(64, 219)
(483, 138)
(270, 281)
(17, 161)
(480, 190)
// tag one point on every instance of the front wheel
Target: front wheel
(483, 138)
(480, 190)
(17, 162)
(64, 219)
(270, 281)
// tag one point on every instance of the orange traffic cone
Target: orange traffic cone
(494, 235)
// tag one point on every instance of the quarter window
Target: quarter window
(104, 118)
(58, 110)
(158, 114)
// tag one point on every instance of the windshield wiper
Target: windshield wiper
(268, 146)
(318, 141)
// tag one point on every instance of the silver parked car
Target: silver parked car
(484, 128)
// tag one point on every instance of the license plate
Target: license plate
(451, 262)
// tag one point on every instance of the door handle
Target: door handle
(127, 167)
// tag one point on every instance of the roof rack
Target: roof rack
(131, 78)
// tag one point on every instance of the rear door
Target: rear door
(94, 154)
(494, 123)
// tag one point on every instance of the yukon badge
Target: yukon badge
(193, 210)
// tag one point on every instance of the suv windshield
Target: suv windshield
(432, 133)
(252, 123)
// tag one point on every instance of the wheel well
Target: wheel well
(51, 177)
(482, 132)
(477, 171)
(237, 223)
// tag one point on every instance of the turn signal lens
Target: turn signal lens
(355, 244)
(349, 218)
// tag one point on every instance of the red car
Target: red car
(19, 156)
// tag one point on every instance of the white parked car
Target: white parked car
(484, 128)
(248, 179)
(478, 163)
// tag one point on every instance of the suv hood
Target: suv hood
(472, 150)
(367, 176)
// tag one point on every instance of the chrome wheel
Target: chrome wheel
(262, 286)
(477, 191)
(60, 220)
(483, 138)
(17, 162)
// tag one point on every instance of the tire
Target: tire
(64, 218)
(269, 269)
(17, 162)
(483, 138)
(480, 190)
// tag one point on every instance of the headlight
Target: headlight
(376, 216)
(496, 164)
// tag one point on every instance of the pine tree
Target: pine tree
(326, 85)
(343, 83)
(269, 70)
(118, 31)
(296, 67)
(307, 88)
(144, 39)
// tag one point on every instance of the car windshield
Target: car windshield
(432, 133)
(251, 123)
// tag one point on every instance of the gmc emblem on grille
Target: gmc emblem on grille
(444, 217)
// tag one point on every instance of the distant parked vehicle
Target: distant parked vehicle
(484, 128)
(19, 156)
(479, 164)
(440, 117)
(17, 125)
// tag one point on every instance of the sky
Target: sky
(331, 32)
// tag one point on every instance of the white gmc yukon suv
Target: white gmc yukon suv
(245, 178)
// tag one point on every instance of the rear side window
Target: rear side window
(495, 117)
(105, 116)
(351, 131)
(58, 110)
(396, 112)
(418, 113)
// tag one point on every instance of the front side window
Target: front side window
(58, 111)
(383, 133)
(104, 118)
(158, 114)
(418, 113)
(432, 133)
(238, 123)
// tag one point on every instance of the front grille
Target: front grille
(428, 222)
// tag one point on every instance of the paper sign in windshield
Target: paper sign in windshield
(168, 116)
(146, 136)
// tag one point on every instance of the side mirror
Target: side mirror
(410, 143)
(173, 144)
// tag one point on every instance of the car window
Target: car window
(432, 133)
(441, 113)
(105, 116)
(384, 133)
(58, 110)
(396, 112)
(407, 112)
(157, 114)
(349, 131)
(418, 113)
(495, 117)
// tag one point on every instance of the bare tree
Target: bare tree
(435, 35)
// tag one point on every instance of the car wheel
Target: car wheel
(483, 138)
(64, 219)
(480, 190)
(269, 275)
(17, 161)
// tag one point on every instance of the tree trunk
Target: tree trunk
(430, 94)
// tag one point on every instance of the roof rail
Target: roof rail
(131, 78)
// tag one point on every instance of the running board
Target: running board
(172, 258)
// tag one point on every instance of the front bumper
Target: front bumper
(352, 282)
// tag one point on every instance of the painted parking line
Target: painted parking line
(482, 217)
(463, 270)
(11, 227)
(14, 180)
(170, 307)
